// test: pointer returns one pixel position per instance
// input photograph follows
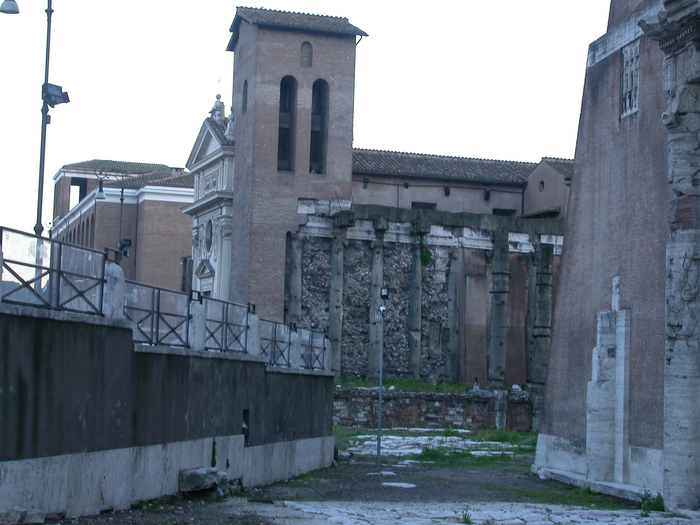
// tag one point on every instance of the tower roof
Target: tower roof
(296, 21)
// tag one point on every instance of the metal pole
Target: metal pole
(38, 227)
(121, 213)
(381, 387)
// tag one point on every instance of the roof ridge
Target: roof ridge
(291, 12)
(558, 158)
(443, 156)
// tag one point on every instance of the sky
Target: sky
(468, 78)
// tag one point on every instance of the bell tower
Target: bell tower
(293, 100)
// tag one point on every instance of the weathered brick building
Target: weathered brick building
(287, 215)
(150, 216)
(624, 374)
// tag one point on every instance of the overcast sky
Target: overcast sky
(469, 78)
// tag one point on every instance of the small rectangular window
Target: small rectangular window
(630, 79)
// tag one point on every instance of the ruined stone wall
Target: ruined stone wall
(472, 410)
(439, 321)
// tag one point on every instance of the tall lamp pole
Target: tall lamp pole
(122, 243)
(384, 294)
(51, 95)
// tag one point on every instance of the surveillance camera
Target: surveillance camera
(382, 308)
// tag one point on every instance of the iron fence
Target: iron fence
(46, 273)
(161, 317)
(276, 343)
(227, 325)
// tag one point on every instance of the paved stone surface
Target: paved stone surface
(366, 445)
(378, 513)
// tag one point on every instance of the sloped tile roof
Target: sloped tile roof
(563, 166)
(186, 180)
(373, 162)
(134, 183)
(289, 20)
(111, 166)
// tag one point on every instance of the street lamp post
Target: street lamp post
(384, 294)
(122, 244)
(51, 95)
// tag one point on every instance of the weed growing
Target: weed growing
(652, 503)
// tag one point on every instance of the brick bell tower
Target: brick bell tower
(293, 100)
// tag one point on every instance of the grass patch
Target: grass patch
(444, 457)
(501, 435)
(560, 494)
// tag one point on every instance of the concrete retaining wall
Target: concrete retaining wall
(90, 423)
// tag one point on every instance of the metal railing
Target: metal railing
(160, 317)
(313, 349)
(227, 325)
(276, 343)
(46, 273)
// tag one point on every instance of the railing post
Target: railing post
(155, 318)
(113, 291)
(294, 349)
(327, 354)
(55, 271)
(253, 335)
(197, 330)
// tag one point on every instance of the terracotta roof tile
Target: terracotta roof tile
(186, 180)
(289, 20)
(373, 162)
(563, 166)
(111, 166)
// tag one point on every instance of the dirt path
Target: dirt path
(440, 476)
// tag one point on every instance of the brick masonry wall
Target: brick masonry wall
(471, 410)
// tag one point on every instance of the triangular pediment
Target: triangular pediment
(204, 269)
(206, 145)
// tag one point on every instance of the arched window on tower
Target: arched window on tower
(244, 105)
(307, 55)
(319, 127)
(285, 137)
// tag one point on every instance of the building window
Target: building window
(208, 236)
(319, 127)
(244, 105)
(630, 78)
(285, 138)
(307, 55)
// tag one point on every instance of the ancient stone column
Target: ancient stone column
(294, 280)
(375, 335)
(454, 315)
(678, 33)
(335, 312)
(538, 351)
(413, 323)
(498, 325)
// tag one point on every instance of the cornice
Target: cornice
(213, 200)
